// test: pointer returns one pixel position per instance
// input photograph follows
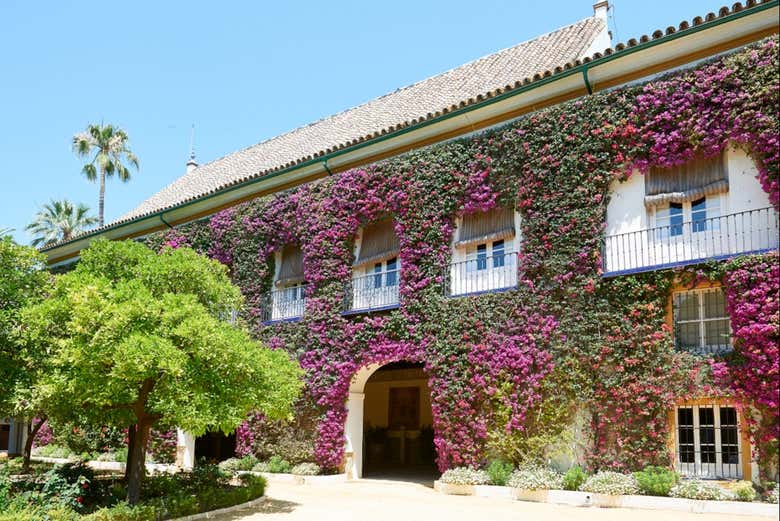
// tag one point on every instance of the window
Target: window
(482, 256)
(672, 219)
(386, 273)
(701, 323)
(708, 441)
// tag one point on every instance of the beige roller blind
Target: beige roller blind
(498, 223)
(693, 180)
(379, 242)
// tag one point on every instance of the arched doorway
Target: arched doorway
(389, 423)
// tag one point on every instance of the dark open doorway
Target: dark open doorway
(398, 425)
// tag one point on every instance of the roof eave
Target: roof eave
(603, 72)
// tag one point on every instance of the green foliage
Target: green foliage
(656, 481)
(141, 337)
(574, 478)
(232, 465)
(89, 439)
(695, 489)
(278, 465)
(744, 491)
(59, 221)
(499, 471)
(23, 281)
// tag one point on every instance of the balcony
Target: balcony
(693, 242)
(482, 274)
(372, 292)
(284, 304)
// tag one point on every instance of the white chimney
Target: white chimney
(600, 10)
(191, 164)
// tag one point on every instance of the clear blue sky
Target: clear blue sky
(240, 71)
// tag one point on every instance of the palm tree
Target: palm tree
(5, 231)
(110, 147)
(59, 221)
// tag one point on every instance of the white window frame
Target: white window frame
(714, 206)
(718, 469)
(701, 319)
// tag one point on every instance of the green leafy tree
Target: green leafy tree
(59, 221)
(143, 339)
(23, 281)
(106, 146)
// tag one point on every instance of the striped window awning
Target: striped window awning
(291, 270)
(379, 242)
(693, 180)
(495, 224)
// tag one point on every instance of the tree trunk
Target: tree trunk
(32, 432)
(136, 463)
(130, 446)
(102, 198)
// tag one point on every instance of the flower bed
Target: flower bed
(73, 492)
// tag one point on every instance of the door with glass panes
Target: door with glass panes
(708, 442)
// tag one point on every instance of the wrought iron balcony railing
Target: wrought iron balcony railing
(373, 291)
(692, 242)
(284, 304)
(481, 274)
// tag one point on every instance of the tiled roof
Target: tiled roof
(417, 102)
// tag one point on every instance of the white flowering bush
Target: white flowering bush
(695, 489)
(536, 478)
(773, 496)
(261, 467)
(306, 469)
(465, 476)
(613, 483)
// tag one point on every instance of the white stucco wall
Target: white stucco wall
(745, 192)
(626, 207)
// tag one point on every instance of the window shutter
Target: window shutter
(495, 224)
(693, 180)
(291, 270)
(379, 242)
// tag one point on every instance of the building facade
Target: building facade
(591, 277)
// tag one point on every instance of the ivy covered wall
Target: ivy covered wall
(509, 370)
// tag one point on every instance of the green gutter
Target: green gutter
(580, 69)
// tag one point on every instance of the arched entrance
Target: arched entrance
(389, 423)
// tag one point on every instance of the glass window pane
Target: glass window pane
(675, 219)
(714, 304)
(392, 272)
(498, 254)
(687, 305)
(688, 335)
(717, 333)
(707, 434)
(685, 435)
(699, 215)
(482, 257)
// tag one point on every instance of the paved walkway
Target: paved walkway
(370, 500)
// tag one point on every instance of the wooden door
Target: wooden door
(404, 408)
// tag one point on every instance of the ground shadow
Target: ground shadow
(269, 506)
(420, 474)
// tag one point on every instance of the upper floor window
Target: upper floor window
(701, 322)
(288, 295)
(485, 254)
(377, 268)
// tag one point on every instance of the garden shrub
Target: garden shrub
(68, 485)
(261, 467)
(695, 489)
(306, 469)
(123, 512)
(536, 478)
(465, 476)
(5, 488)
(656, 481)
(744, 491)
(247, 462)
(52, 451)
(773, 495)
(499, 472)
(574, 478)
(612, 483)
(277, 465)
(231, 465)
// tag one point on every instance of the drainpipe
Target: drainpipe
(585, 78)
(327, 168)
(165, 222)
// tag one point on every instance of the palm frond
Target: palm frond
(59, 220)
